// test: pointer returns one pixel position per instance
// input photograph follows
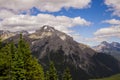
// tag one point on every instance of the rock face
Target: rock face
(49, 44)
(6, 34)
(109, 48)
(23, 32)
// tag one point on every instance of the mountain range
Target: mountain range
(112, 48)
(5, 34)
(48, 44)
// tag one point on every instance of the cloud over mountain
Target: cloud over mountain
(12, 19)
(31, 23)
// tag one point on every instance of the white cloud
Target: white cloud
(114, 5)
(113, 31)
(5, 13)
(95, 39)
(88, 40)
(112, 22)
(104, 34)
(107, 33)
(30, 23)
(76, 36)
(44, 5)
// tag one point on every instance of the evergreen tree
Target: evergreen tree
(67, 75)
(17, 63)
(52, 73)
(47, 75)
(34, 70)
(0, 43)
(6, 61)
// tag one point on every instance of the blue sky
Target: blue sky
(87, 21)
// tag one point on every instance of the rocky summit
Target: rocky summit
(48, 44)
(112, 48)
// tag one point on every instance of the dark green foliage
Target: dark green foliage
(0, 43)
(51, 74)
(47, 75)
(67, 75)
(4, 63)
(17, 63)
(34, 70)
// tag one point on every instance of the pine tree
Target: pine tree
(34, 70)
(0, 43)
(6, 61)
(67, 75)
(47, 75)
(17, 63)
(18, 70)
(51, 74)
(4, 65)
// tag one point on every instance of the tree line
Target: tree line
(17, 63)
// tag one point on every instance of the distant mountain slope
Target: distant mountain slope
(4, 34)
(109, 48)
(49, 44)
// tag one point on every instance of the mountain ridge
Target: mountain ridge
(48, 44)
(112, 48)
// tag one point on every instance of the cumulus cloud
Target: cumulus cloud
(112, 22)
(88, 40)
(4, 13)
(30, 23)
(114, 5)
(44, 5)
(95, 39)
(104, 34)
(113, 31)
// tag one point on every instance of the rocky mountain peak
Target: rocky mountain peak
(4, 31)
(112, 48)
(46, 28)
(105, 43)
(48, 31)
(115, 44)
(23, 32)
(111, 45)
(4, 34)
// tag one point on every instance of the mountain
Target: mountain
(109, 48)
(6, 34)
(23, 32)
(48, 44)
